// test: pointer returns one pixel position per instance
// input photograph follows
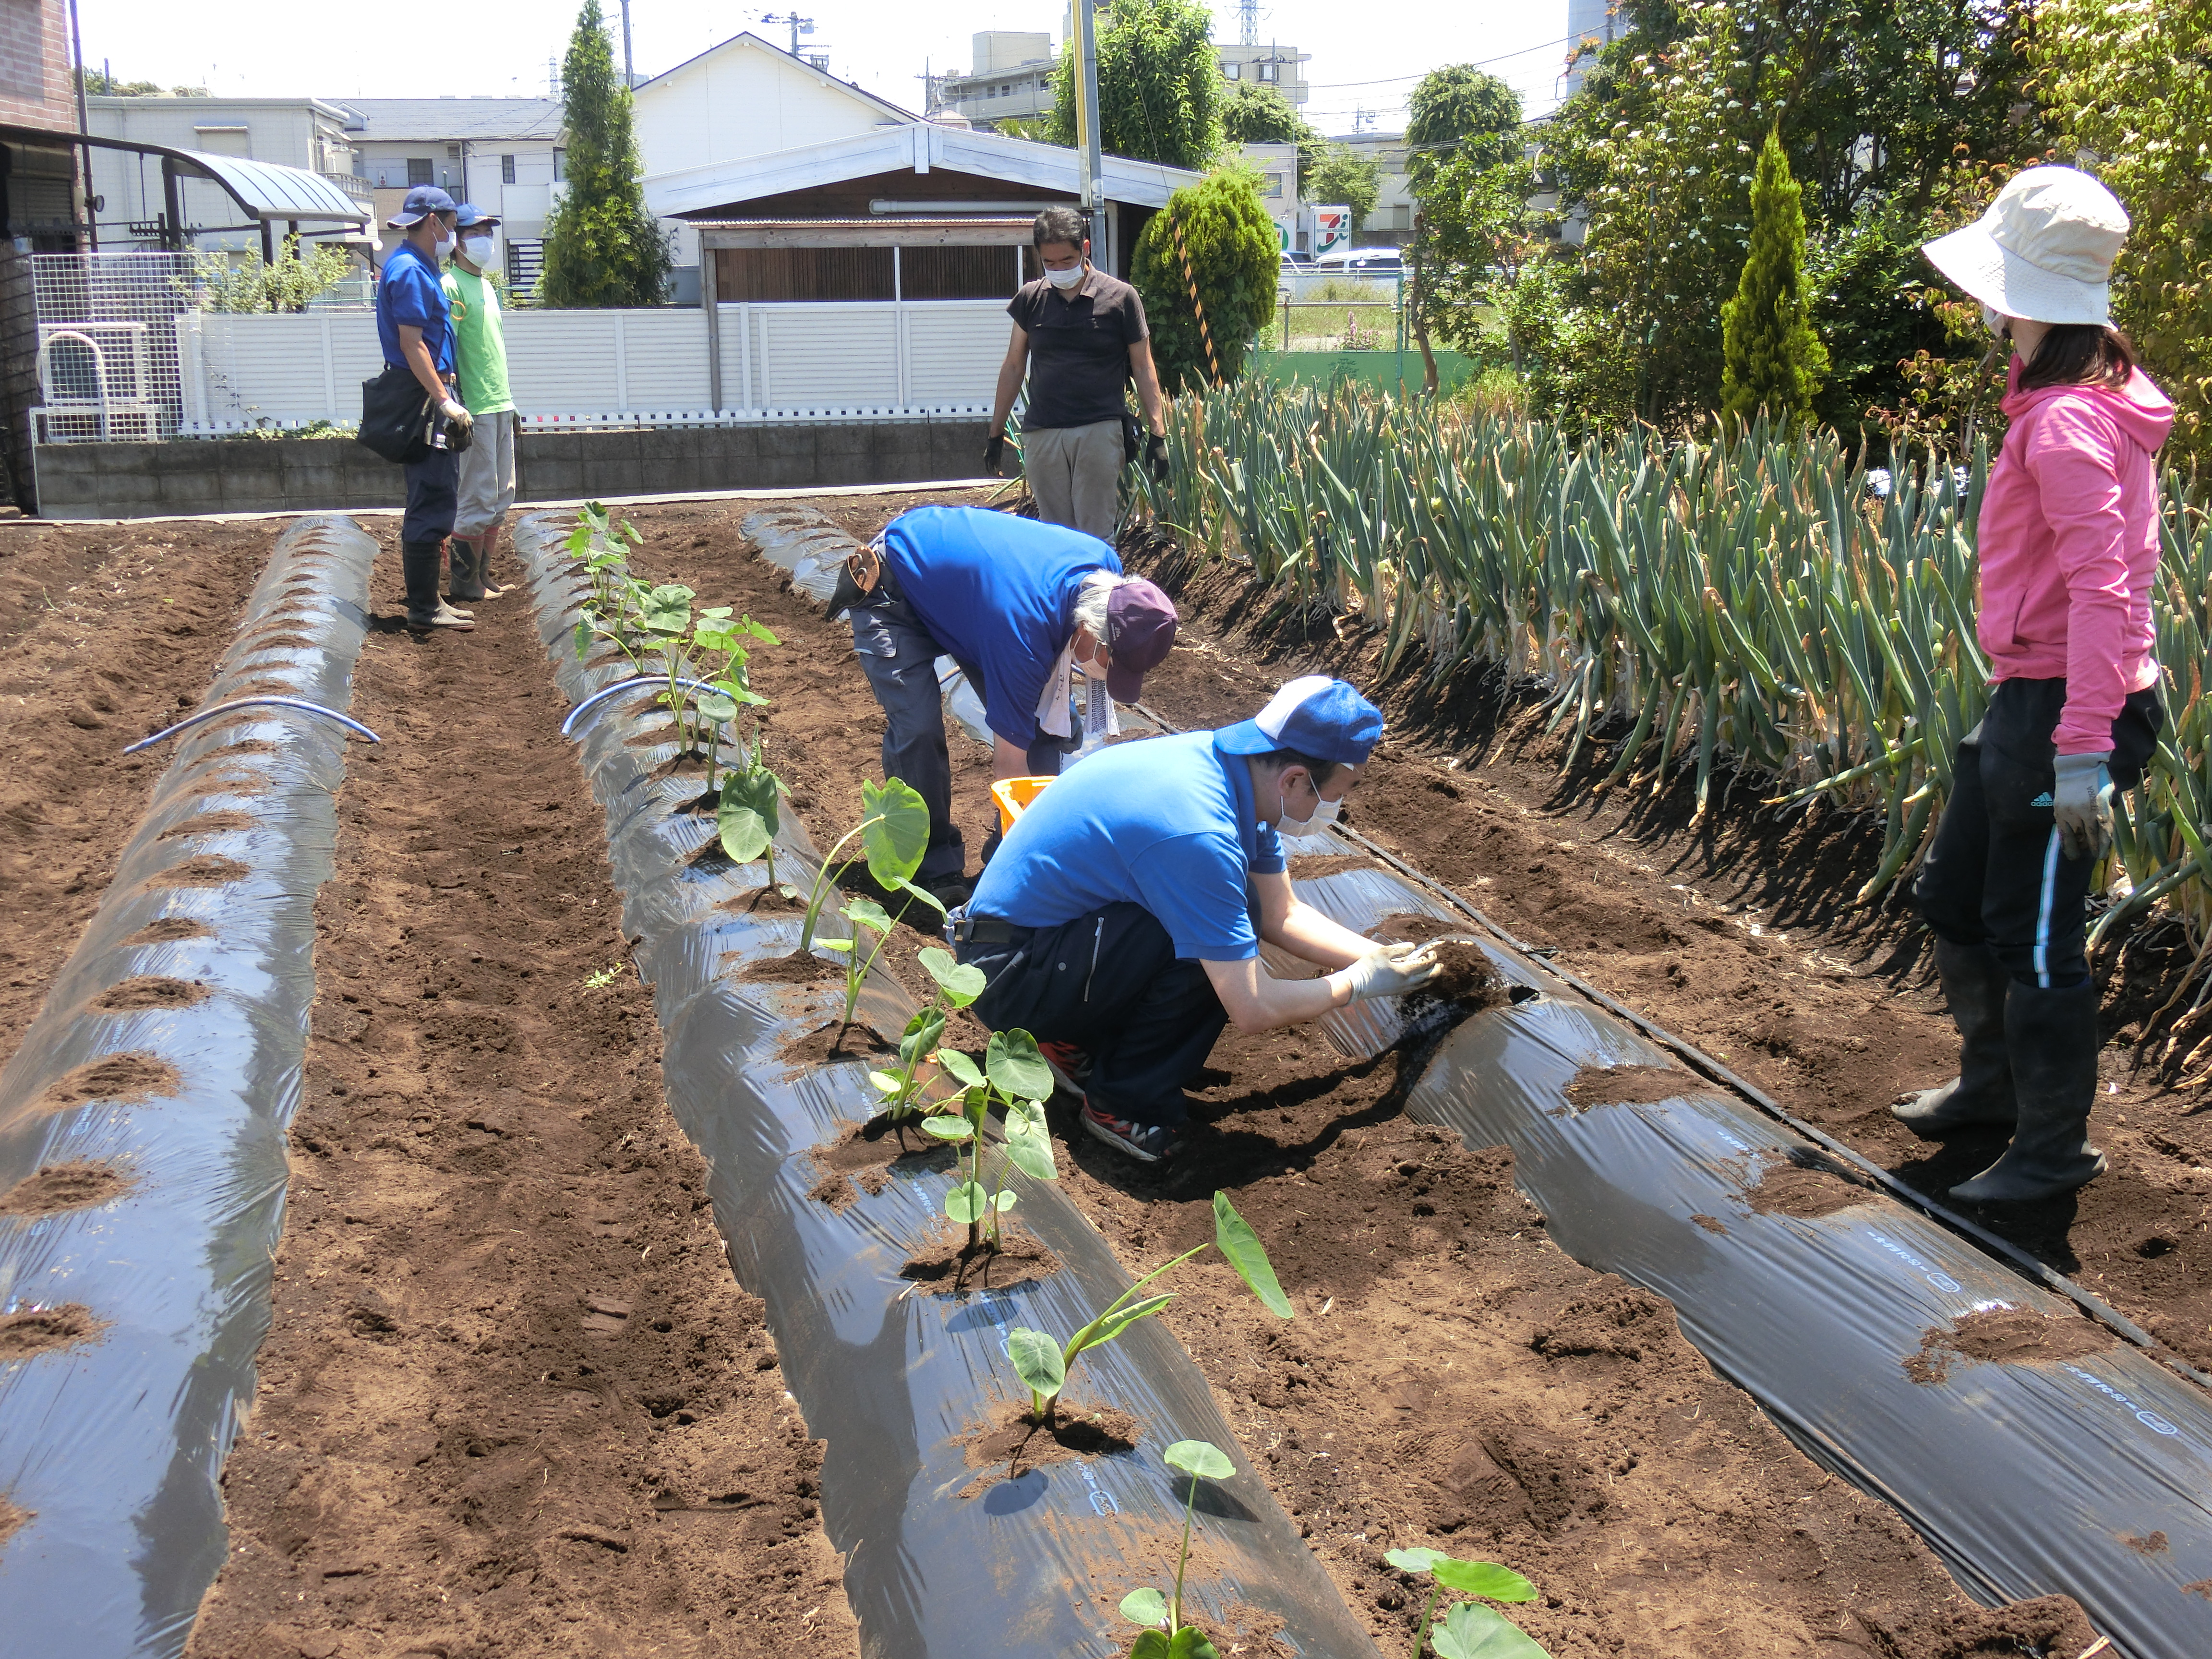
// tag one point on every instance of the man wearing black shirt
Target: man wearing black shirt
(1080, 335)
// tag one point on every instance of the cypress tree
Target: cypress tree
(1771, 357)
(602, 247)
(1232, 244)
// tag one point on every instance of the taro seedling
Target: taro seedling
(746, 815)
(1042, 1364)
(1166, 1635)
(1015, 1078)
(1468, 1631)
(870, 920)
(894, 835)
(958, 985)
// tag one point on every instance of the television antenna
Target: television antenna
(798, 25)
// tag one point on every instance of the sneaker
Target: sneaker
(1070, 1066)
(1152, 1143)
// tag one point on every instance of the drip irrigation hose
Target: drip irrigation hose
(169, 1055)
(1698, 1060)
(568, 726)
(299, 703)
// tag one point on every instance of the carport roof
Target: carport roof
(271, 194)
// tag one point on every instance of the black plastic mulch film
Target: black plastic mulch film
(113, 1443)
(888, 1376)
(2025, 1478)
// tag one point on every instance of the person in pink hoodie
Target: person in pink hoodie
(2069, 536)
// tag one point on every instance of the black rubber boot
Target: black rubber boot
(2052, 1036)
(465, 580)
(420, 562)
(1974, 983)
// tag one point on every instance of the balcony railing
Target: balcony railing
(360, 189)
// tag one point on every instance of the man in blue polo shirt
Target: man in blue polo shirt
(414, 328)
(1121, 923)
(1024, 608)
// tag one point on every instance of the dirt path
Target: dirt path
(1452, 1378)
(512, 1402)
(106, 633)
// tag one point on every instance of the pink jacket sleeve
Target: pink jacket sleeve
(2074, 458)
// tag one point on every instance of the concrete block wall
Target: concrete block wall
(315, 475)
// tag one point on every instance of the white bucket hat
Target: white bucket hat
(2044, 252)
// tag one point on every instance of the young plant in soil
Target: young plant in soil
(894, 835)
(958, 985)
(1042, 1364)
(716, 634)
(1014, 1078)
(869, 920)
(1468, 1631)
(747, 813)
(1166, 1635)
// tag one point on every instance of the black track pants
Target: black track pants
(1996, 875)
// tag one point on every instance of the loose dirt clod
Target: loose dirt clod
(1009, 1445)
(1312, 867)
(208, 824)
(800, 967)
(120, 1078)
(764, 902)
(2156, 1543)
(946, 1265)
(1630, 1085)
(170, 929)
(2008, 1335)
(143, 991)
(23, 1335)
(12, 1520)
(834, 1042)
(1817, 1187)
(206, 870)
(75, 1185)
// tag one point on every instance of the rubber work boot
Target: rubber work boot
(419, 562)
(1974, 983)
(2052, 1034)
(464, 581)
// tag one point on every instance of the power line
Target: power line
(1479, 63)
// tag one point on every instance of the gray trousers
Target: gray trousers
(1075, 473)
(899, 656)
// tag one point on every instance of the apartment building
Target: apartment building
(502, 154)
(1011, 77)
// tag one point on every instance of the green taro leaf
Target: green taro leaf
(665, 609)
(835, 944)
(960, 1066)
(1029, 1142)
(1006, 1201)
(714, 705)
(896, 829)
(867, 913)
(921, 893)
(1415, 1560)
(961, 983)
(1200, 1457)
(1470, 1631)
(1146, 1606)
(583, 637)
(967, 1203)
(745, 834)
(922, 1033)
(1150, 1646)
(1115, 1324)
(949, 1128)
(1190, 1643)
(717, 612)
(1016, 1067)
(1037, 1360)
(886, 1083)
(1247, 1254)
(1485, 1578)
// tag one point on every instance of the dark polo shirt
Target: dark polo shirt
(1079, 348)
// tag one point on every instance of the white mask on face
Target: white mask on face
(1065, 279)
(478, 248)
(1324, 814)
(445, 247)
(1993, 319)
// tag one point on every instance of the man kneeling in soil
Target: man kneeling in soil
(1022, 607)
(1121, 923)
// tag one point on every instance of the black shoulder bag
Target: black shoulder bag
(396, 415)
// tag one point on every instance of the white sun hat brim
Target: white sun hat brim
(1999, 278)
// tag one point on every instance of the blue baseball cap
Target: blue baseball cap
(470, 214)
(1314, 715)
(422, 202)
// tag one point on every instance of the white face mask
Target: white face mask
(1064, 279)
(1324, 814)
(445, 247)
(478, 248)
(1993, 319)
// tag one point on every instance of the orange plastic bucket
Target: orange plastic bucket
(1013, 796)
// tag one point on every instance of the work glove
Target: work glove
(2082, 803)
(1156, 457)
(457, 416)
(994, 451)
(1391, 970)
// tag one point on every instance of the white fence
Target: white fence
(780, 361)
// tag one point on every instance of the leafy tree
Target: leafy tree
(1230, 244)
(99, 83)
(602, 247)
(1159, 86)
(2132, 85)
(1345, 178)
(1771, 357)
(1256, 114)
(301, 273)
(1458, 112)
(1474, 239)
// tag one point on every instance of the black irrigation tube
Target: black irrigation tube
(2090, 1474)
(888, 1376)
(168, 1055)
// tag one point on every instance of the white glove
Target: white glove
(2082, 803)
(1391, 970)
(458, 415)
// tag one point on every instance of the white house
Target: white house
(306, 133)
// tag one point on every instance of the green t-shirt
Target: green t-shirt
(480, 347)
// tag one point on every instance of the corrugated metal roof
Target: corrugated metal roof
(267, 191)
(395, 120)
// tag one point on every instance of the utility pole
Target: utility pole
(1084, 32)
(1248, 22)
(629, 77)
(798, 25)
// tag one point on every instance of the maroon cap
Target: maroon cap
(1141, 630)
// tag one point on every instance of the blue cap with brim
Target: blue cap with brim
(1314, 715)
(469, 215)
(421, 201)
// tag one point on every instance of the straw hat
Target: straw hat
(2043, 250)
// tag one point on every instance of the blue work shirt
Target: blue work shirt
(998, 594)
(409, 292)
(1166, 822)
